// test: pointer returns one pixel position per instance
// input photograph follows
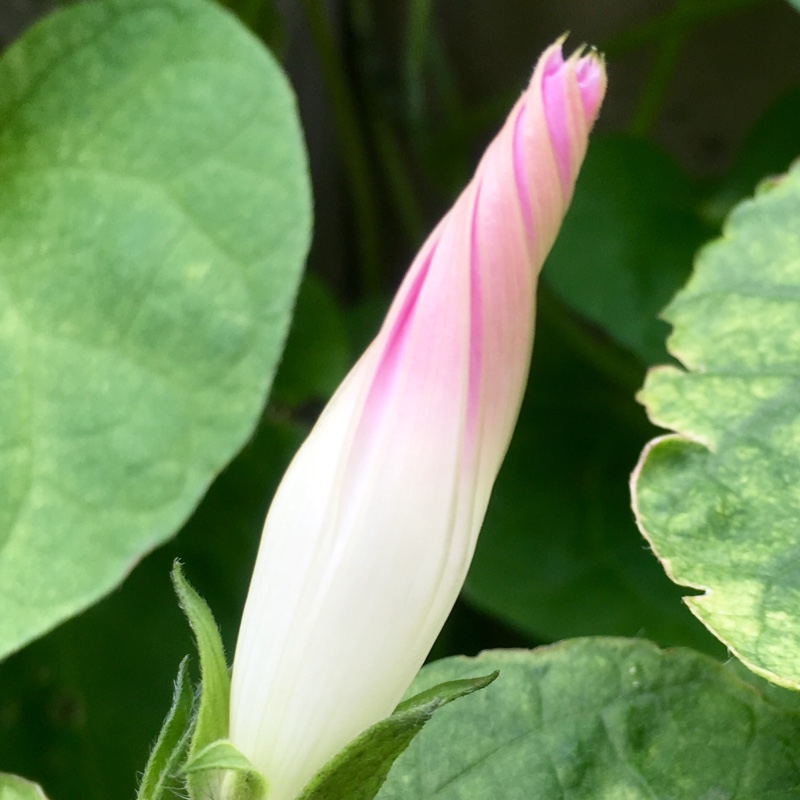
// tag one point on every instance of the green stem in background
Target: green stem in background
(658, 80)
(353, 144)
(417, 41)
(444, 79)
(383, 123)
(396, 173)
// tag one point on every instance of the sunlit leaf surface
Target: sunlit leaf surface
(153, 223)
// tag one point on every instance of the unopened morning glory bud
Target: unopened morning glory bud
(372, 530)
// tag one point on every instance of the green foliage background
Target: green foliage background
(403, 114)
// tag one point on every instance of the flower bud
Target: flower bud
(371, 532)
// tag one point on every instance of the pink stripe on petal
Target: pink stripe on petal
(555, 109)
(386, 370)
(591, 83)
(475, 328)
(520, 172)
(583, 67)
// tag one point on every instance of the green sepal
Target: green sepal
(215, 689)
(221, 754)
(359, 771)
(172, 742)
(12, 787)
(243, 781)
(444, 693)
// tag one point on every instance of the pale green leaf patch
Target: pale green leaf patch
(154, 220)
(719, 500)
(12, 787)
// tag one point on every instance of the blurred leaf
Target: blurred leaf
(627, 242)
(144, 299)
(559, 554)
(718, 499)
(359, 771)
(600, 719)
(795, 3)
(172, 742)
(317, 354)
(15, 788)
(80, 708)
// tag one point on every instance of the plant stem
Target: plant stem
(417, 41)
(353, 144)
(657, 83)
(397, 179)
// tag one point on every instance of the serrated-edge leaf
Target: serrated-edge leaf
(359, 771)
(215, 689)
(172, 741)
(714, 498)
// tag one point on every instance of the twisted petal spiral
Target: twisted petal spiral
(371, 532)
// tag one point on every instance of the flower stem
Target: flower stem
(353, 144)
(657, 83)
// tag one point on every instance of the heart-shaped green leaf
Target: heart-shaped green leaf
(719, 500)
(153, 223)
(600, 719)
